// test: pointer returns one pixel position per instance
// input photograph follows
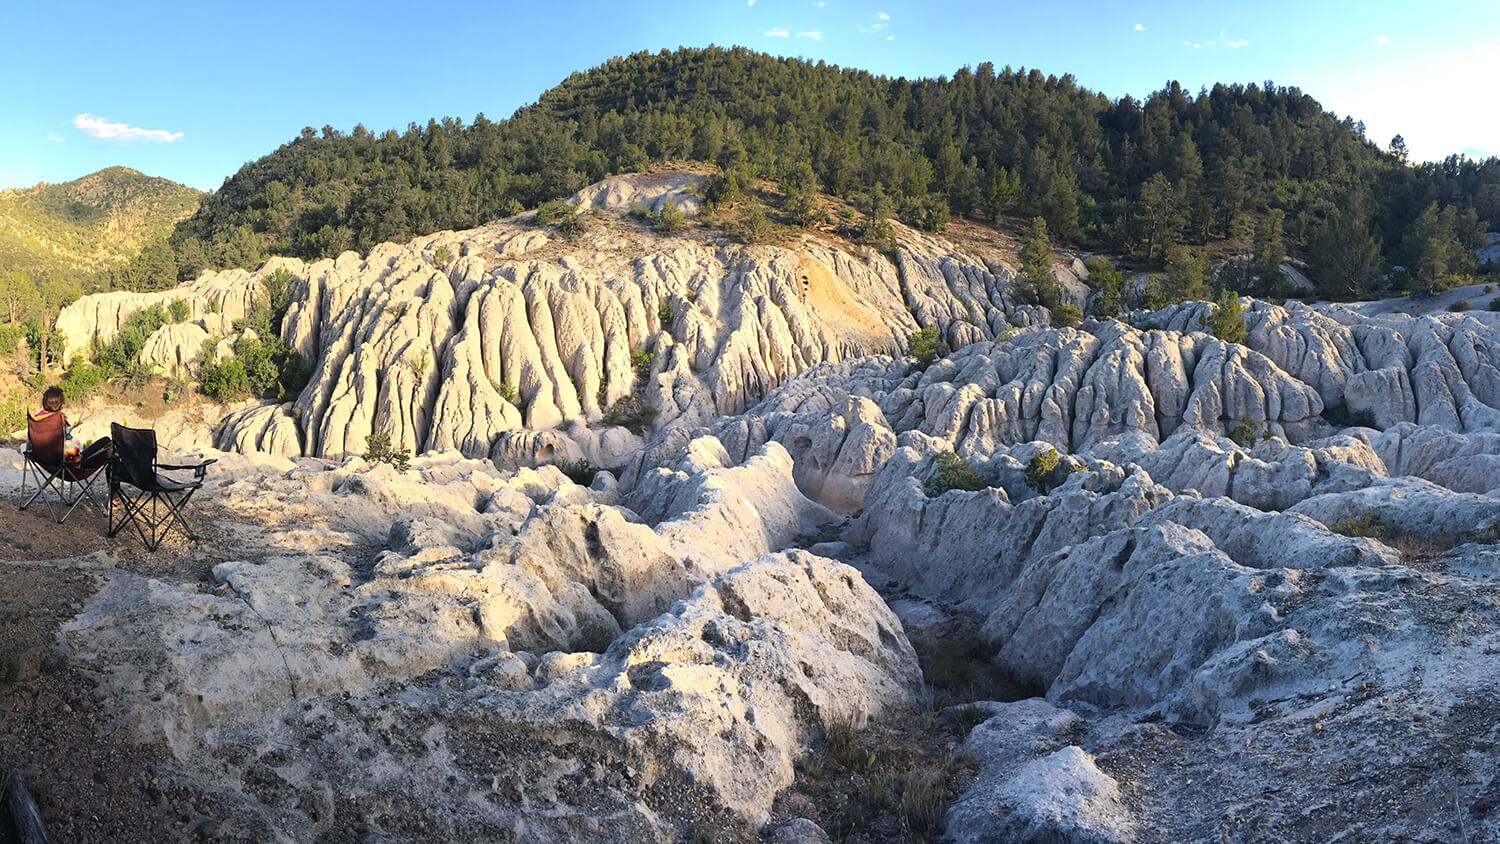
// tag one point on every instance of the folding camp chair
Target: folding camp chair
(159, 500)
(62, 484)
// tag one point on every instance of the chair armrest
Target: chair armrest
(198, 468)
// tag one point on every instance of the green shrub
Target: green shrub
(224, 382)
(215, 306)
(665, 312)
(82, 378)
(923, 345)
(953, 472)
(1041, 471)
(554, 212)
(642, 361)
(179, 310)
(579, 471)
(1365, 526)
(508, 392)
(1247, 433)
(631, 413)
(378, 449)
(1461, 305)
(638, 211)
(175, 390)
(264, 369)
(1066, 315)
(1228, 321)
(13, 409)
(753, 225)
(10, 339)
(668, 218)
(442, 257)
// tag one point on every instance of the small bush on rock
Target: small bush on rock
(953, 472)
(179, 310)
(554, 212)
(1066, 315)
(378, 449)
(1040, 471)
(668, 218)
(1228, 321)
(1248, 433)
(631, 413)
(641, 361)
(579, 471)
(924, 346)
(1461, 305)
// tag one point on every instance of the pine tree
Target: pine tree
(1187, 274)
(1269, 249)
(1036, 266)
(1160, 209)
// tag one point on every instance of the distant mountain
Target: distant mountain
(95, 223)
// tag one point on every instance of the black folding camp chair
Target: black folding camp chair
(61, 484)
(156, 506)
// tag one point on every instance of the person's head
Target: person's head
(52, 399)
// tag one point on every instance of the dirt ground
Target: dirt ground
(91, 782)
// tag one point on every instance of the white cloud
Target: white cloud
(1381, 39)
(1140, 27)
(779, 32)
(872, 28)
(56, 139)
(811, 33)
(101, 128)
(749, 2)
(883, 16)
(890, 38)
(1197, 46)
(1240, 43)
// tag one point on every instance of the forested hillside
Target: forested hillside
(1122, 175)
(81, 228)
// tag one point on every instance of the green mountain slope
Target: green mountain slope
(1133, 177)
(95, 223)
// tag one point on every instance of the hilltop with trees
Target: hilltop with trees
(1132, 177)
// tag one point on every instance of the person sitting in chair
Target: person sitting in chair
(96, 454)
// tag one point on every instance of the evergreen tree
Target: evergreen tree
(1228, 321)
(1344, 257)
(1269, 248)
(1036, 266)
(1108, 284)
(1160, 210)
(1187, 274)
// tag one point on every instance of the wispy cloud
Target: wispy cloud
(872, 28)
(1381, 39)
(1237, 44)
(883, 16)
(101, 128)
(811, 33)
(749, 2)
(890, 38)
(56, 139)
(1140, 27)
(780, 32)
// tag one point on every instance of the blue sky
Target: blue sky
(191, 91)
